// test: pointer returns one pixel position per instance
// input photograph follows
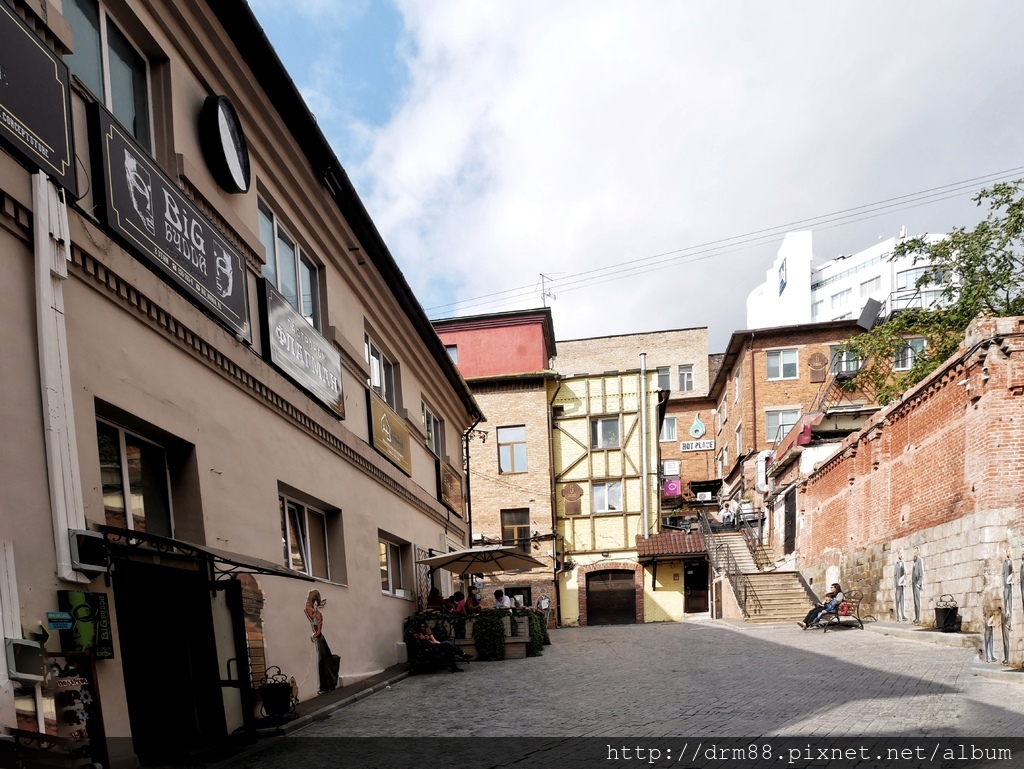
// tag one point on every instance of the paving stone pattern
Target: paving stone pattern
(699, 678)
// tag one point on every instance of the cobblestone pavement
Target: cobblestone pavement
(662, 680)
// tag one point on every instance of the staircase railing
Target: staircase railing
(750, 536)
(724, 562)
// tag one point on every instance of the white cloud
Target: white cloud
(561, 137)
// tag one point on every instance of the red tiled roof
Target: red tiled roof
(669, 543)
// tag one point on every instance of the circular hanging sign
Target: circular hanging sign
(224, 145)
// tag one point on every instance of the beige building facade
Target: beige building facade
(236, 429)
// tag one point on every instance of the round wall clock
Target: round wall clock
(224, 145)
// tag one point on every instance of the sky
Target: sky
(635, 166)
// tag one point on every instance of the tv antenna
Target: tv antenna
(544, 293)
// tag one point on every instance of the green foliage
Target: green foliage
(987, 266)
(489, 634)
(441, 625)
(535, 647)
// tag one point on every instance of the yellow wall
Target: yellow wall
(664, 604)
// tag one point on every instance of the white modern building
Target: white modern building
(796, 291)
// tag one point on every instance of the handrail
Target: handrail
(724, 562)
(753, 543)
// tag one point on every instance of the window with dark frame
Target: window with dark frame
(515, 528)
(512, 449)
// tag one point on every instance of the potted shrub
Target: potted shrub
(489, 634)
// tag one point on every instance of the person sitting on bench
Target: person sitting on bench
(832, 600)
(449, 651)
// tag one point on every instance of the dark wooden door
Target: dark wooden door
(790, 521)
(695, 587)
(611, 598)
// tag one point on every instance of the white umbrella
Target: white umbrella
(482, 560)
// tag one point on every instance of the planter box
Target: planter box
(515, 648)
(466, 646)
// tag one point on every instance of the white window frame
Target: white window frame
(868, 287)
(598, 441)
(842, 362)
(383, 374)
(311, 306)
(686, 377)
(669, 430)
(665, 378)
(723, 410)
(107, 97)
(739, 439)
(606, 487)
(907, 355)
(434, 428)
(390, 559)
(737, 385)
(842, 298)
(774, 437)
(781, 354)
(816, 308)
(126, 490)
(306, 518)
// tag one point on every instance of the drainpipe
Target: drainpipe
(554, 505)
(644, 418)
(52, 245)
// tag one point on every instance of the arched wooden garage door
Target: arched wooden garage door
(611, 598)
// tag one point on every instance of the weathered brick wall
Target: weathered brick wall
(942, 469)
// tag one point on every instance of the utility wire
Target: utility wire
(722, 246)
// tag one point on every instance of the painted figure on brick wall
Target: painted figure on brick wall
(1007, 604)
(917, 582)
(899, 581)
(327, 664)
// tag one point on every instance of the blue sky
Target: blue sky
(629, 151)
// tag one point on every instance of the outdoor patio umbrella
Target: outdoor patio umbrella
(482, 560)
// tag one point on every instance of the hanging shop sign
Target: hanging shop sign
(35, 101)
(449, 487)
(389, 433)
(143, 205)
(298, 349)
(90, 629)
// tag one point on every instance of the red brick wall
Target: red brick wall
(944, 463)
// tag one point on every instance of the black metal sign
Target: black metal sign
(35, 101)
(143, 205)
(298, 349)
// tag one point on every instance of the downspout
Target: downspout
(465, 465)
(52, 247)
(555, 566)
(644, 418)
(753, 392)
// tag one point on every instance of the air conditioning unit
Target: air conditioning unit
(704, 496)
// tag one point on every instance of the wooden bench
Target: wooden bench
(847, 614)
